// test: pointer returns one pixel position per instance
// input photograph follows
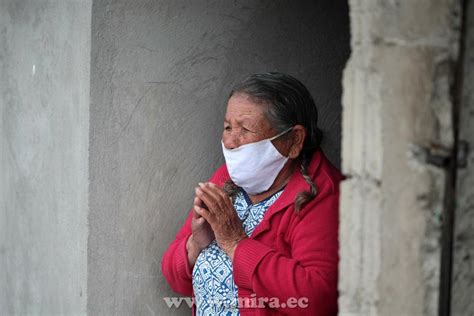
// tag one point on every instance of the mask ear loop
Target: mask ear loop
(274, 137)
(281, 134)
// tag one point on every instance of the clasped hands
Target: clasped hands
(214, 217)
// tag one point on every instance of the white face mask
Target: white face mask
(254, 166)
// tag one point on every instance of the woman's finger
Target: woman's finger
(213, 194)
(208, 189)
(196, 214)
(208, 199)
(197, 201)
(203, 212)
(200, 220)
(220, 191)
(223, 199)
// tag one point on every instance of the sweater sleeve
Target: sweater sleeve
(174, 264)
(308, 275)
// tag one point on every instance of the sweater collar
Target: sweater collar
(296, 185)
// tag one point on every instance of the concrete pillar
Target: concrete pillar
(396, 109)
(463, 257)
(44, 137)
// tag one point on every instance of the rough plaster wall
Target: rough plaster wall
(396, 105)
(44, 123)
(463, 257)
(161, 72)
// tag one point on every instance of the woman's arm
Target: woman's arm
(178, 259)
(175, 264)
(311, 271)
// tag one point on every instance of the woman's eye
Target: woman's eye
(227, 128)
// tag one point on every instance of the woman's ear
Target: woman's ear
(298, 137)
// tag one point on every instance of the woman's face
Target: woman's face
(245, 122)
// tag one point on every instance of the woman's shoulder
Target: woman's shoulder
(327, 179)
(326, 176)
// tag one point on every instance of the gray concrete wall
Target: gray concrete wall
(160, 75)
(44, 125)
(397, 107)
(463, 256)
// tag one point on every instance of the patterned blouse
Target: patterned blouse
(214, 288)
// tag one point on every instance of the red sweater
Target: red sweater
(288, 257)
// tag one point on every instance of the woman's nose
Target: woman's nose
(230, 141)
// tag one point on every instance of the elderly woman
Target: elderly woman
(262, 236)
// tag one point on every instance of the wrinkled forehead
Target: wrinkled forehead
(240, 107)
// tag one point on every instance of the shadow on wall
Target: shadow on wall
(310, 41)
